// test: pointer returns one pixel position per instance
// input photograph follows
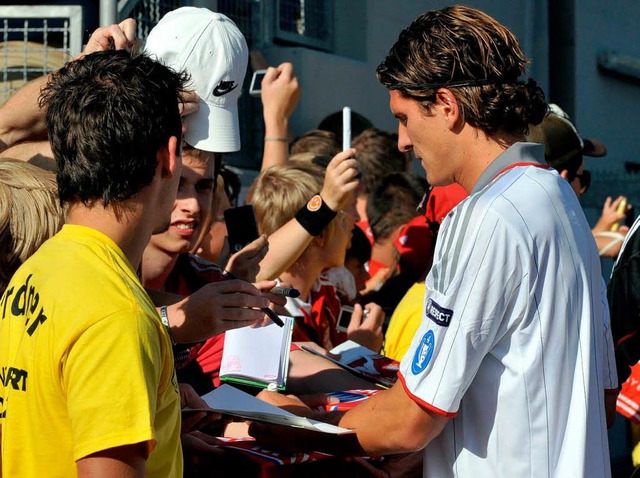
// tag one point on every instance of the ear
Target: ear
(449, 106)
(565, 174)
(169, 158)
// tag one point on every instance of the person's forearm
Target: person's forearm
(381, 430)
(285, 247)
(276, 142)
(37, 153)
(21, 118)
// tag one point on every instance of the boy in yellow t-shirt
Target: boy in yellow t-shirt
(88, 387)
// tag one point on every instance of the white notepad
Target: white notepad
(257, 356)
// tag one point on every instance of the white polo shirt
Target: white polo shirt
(512, 341)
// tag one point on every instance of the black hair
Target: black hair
(394, 202)
(107, 115)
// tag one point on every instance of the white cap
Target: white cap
(211, 48)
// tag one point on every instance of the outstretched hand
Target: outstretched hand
(216, 308)
(365, 327)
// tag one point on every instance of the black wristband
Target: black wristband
(315, 215)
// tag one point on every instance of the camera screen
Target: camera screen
(344, 318)
(256, 83)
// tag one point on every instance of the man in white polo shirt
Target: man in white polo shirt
(504, 376)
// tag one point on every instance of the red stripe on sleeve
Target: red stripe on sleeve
(422, 403)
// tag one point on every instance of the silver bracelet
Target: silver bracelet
(272, 138)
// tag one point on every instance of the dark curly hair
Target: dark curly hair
(107, 114)
(468, 51)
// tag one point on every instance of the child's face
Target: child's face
(190, 208)
(359, 272)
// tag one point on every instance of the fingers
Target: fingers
(118, 37)
(245, 263)
(190, 103)
(234, 286)
(356, 317)
(341, 179)
(285, 71)
(371, 317)
(128, 29)
(190, 398)
(255, 250)
(200, 442)
(375, 315)
(319, 400)
(190, 420)
(265, 285)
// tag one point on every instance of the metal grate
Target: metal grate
(610, 183)
(35, 41)
(247, 15)
(147, 13)
(305, 22)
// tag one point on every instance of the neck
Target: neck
(479, 152)
(157, 264)
(126, 226)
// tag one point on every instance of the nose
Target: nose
(404, 143)
(188, 201)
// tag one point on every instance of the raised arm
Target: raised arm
(288, 242)
(280, 96)
(22, 119)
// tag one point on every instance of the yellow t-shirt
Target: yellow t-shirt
(85, 362)
(404, 322)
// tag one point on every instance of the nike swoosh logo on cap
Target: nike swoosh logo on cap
(224, 87)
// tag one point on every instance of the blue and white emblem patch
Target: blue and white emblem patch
(423, 353)
(437, 313)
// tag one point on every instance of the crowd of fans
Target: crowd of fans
(118, 283)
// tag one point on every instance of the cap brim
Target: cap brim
(213, 128)
(593, 148)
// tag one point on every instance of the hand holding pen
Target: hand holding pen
(277, 296)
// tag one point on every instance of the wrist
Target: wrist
(174, 322)
(276, 127)
(315, 215)
(329, 200)
(164, 316)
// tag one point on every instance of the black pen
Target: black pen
(286, 291)
(273, 316)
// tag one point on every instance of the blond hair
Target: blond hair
(30, 213)
(281, 191)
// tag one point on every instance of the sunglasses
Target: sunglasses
(585, 180)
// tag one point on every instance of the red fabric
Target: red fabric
(414, 245)
(443, 199)
(375, 266)
(319, 326)
(628, 403)
(348, 399)
(366, 228)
